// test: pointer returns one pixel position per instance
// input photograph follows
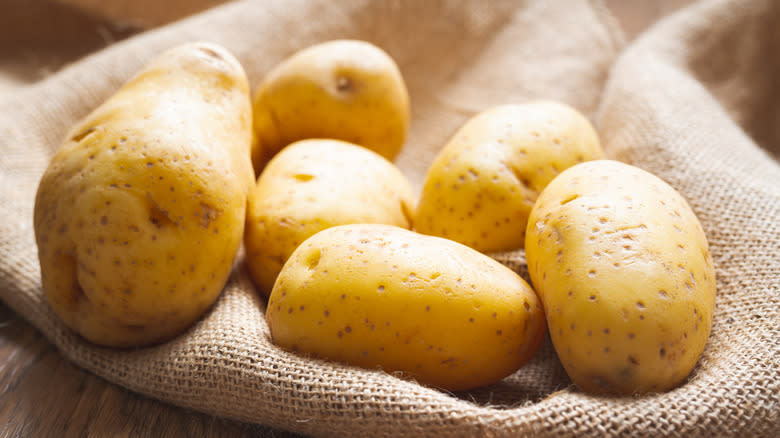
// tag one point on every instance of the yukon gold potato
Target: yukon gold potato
(344, 89)
(316, 184)
(141, 211)
(381, 296)
(483, 183)
(623, 269)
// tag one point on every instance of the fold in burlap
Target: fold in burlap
(689, 102)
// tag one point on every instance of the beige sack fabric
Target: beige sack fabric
(690, 101)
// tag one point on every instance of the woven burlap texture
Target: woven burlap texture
(690, 101)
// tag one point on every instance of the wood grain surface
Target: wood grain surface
(43, 395)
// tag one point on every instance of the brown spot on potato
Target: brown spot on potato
(344, 84)
(157, 216)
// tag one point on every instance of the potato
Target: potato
(141, 211)
(381, 296)
(625, 274)
(483, 183)
(316, 184)
(344, 89)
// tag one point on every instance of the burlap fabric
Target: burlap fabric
(693, 101)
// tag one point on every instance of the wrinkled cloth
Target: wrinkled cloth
(693, 101)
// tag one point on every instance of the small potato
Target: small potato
(344, 89)
(316, 184)
(381, 296)
(140, 214)
(624, 271)
(482, 185)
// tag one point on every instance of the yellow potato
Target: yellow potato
(483, 183)
(381, 296)
(623, 269)
(344, 89)
(316, 184)
(140, 213)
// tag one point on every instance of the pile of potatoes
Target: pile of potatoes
(141, 213)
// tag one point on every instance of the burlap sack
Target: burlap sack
(142, 13)
(690, 102)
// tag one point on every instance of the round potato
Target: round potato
(381, 296)
(141, 212)
(484, 182)
(625, 274)
(344, 89)
(316, 184)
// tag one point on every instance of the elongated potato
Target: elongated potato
(316, 184)
(484, 182)
(623, 268)
(382, 296)
(141, 212)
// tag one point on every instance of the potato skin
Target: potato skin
(624, 271)
(316, 184)
(140, 213)
(343, 89)
(483, 183)
(381, 296)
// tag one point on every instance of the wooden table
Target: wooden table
(42, 394)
